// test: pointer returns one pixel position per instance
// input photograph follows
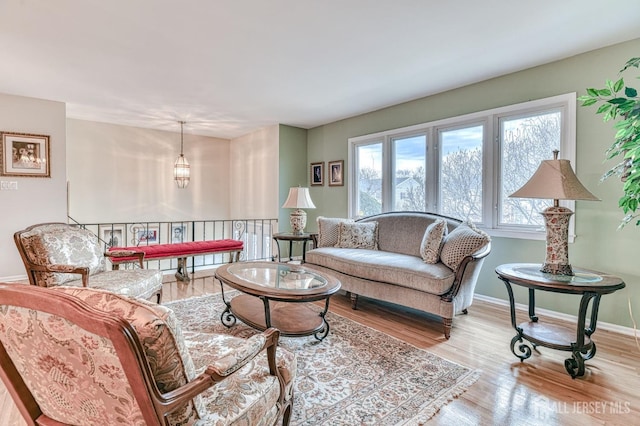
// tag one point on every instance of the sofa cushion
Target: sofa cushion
(358, 235)
(161, 336)
(328, 230)
(463, 241)
(433, 240)
(247, 398)
(393, 268)
(140, 283)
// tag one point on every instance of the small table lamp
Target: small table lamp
(555, 180)
(298, 199)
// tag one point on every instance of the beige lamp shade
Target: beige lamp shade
(556, 180)
(299, 198)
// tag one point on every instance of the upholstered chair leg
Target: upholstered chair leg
(448, 322)
(354, 301)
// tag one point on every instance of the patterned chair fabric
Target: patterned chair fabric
(89, 356)
(60, 254)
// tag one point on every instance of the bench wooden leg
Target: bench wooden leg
(183, 272)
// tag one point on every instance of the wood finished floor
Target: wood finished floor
(508, 392)
(537, 391)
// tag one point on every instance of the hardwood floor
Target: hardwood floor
(537, 391)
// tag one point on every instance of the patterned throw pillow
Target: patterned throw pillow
(328, 228)
(463, 241)
(433, 240)
(358, 235)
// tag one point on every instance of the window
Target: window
(465, 167)
(368, 160)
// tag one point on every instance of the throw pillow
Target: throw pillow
(463, 241)
(358, 235)
(433, 240)
(328, 230)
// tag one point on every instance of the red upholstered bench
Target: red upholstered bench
(181, 251)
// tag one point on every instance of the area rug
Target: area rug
(355, 376)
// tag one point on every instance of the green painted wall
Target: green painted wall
(293, 171)
(598, 245)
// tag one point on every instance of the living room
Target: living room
(106, 172)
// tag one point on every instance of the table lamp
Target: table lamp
(555, 180)
(298, 199)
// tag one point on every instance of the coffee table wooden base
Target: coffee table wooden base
(292, 319)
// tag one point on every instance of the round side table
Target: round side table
(591, 285)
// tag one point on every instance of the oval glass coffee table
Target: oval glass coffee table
(277, 295)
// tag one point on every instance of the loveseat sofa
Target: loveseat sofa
(421, 260)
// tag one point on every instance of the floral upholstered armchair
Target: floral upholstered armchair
(60, 254)
(91, 357)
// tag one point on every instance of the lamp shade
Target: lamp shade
(299, 198)
(556, 180)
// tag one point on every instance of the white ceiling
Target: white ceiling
(229, 67)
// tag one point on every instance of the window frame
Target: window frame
(491, 161)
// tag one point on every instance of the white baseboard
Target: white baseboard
(14, 278)
(628, 331)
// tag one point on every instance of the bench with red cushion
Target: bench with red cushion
(181, 251)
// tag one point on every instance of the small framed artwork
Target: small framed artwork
(114, 236)
(317, 174)
(24, 154)
(336, 173)
(145, 235)
(178, 233)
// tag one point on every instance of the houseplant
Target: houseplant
(620, 103)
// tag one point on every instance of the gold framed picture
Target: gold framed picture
(24, 154)
(336, 173)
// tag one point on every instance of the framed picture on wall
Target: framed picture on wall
(317, 174)
(24, 154)
(336, 173)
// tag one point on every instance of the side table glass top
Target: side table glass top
(278, 276)
(534, 272)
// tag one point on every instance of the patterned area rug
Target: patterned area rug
(355, 376)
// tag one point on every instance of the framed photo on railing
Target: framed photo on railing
(24, 154)
(336, 173)
(317, 174)
(144, 235)
(114, 236)
(178, 233)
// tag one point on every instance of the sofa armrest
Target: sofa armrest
(467, 273)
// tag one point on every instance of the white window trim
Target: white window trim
(491, 150)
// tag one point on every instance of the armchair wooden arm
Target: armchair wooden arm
(169, 401)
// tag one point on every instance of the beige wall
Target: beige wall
(37, 199)
(119, 174)
(598, 245)
(253, 175)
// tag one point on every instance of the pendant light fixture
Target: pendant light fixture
(181, 170)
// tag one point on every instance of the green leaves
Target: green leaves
(624, 105)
